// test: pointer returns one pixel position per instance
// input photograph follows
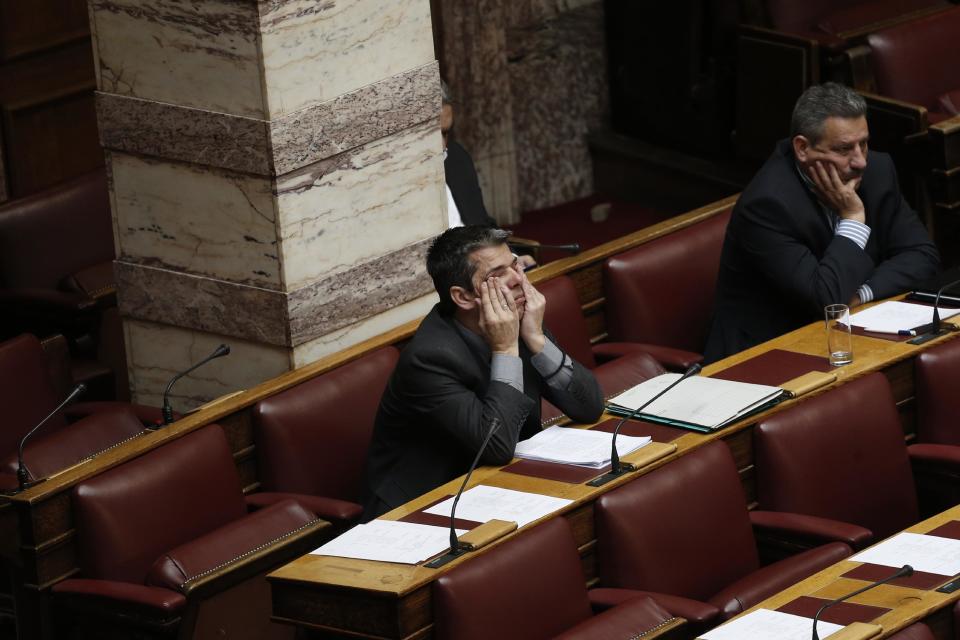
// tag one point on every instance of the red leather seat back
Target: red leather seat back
(662, 292)
(26, 392)
(531, 587)
(314, 437)
(916, 61)
(54, 233)
(834, 17)
(938, 407)
(651, 533)
(564, 318)
(795, 17)
(128, 516)
(840, 455)
(918, 631)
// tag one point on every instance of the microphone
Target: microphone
(573, 247)
(23, 475)
(456, 550)
(617, 468)
(934, 330)
(904, 571)
(166, 409)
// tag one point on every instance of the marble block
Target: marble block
(362, 204)
(196, 54)
(197, 220)
(155, 353)
(315, 51)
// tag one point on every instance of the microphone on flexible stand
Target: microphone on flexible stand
(166, 409)
(573, 247)
(618, 468)
(456, 549)
(934, 329)
(903, 572)
(23, 475)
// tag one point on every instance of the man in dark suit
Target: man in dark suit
(480, 358)
(464, 197)
(817, 225)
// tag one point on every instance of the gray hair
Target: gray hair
(445, 95)
(819, 102)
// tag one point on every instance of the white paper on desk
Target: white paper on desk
(709, 402)
(893, 316)
(582, 447)
(764, 624)
(389, 541)
(482, 503)
(931, 554)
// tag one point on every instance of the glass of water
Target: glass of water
(839, 340)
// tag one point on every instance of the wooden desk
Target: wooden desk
(906, 605)
(362, 599)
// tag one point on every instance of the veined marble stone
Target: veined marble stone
(190, 218)
(197, 54)
(155, 353)
(356, 206)
(316, 50)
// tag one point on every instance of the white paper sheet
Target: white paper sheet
(764, 624)
(931, 554)
(709, 402)
(482, 503)
(581, 447)
(389, 541)
(893, 316)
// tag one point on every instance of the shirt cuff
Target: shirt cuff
(551, 361)
(853, 230)
(865, 293)
(507, 369)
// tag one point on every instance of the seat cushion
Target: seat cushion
(538, 589)
(631, 619)
(235, 540)
(338, 512)
(168, 496)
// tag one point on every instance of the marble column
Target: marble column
(276, 175)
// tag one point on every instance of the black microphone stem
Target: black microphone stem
(22, 474)
(454, 542)
(166, 409)
(905, 570)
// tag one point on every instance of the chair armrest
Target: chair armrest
(338, 512)
(803, 531)
(773, 578)
(49, 300)
(670, 358)
(945, 143)
(238, 550)
(694, 611)
(633, 618)
(117, 594)
(940, 456)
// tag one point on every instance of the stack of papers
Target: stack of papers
(894, 316)
(764, 624)
(698, 403)
(483, 503)
(930, 554)
(580, 447)
(389, 541)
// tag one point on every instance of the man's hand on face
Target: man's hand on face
(531, 325)
(838, 195)
(499, 321)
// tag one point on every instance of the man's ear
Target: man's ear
(464, 299)
(801, 148)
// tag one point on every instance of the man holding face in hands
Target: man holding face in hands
(817, 225)
(481, 355)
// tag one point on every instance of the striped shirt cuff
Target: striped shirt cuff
(865, 293)
(856, 231)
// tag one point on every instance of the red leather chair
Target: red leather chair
(312, 439)
(911, 63)
(532, 587)
(682, 535)
(162, 535)
(660, 294)
(839, 458)
(918, 631)
(617, 366)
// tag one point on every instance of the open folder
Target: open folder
(698, 403)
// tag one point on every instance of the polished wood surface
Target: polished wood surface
(305, 590)
(906, 605)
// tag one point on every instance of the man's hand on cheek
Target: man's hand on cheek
(499, 322)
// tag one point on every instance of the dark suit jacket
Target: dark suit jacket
(465, 186)
(439, 405)
(782, 263)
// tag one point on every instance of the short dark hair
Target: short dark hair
(448, 259)
(822, 101)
